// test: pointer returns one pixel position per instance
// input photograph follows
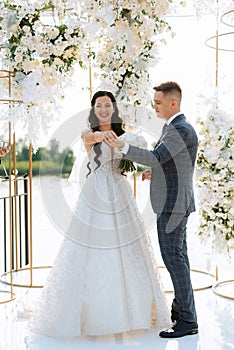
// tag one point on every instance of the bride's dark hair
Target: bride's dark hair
(116, 123)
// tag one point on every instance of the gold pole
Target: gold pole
(30, 214)
(15, 201)
(90, 82)
(8, 74)
(90, 71)
(10, 217)
(217, 273)
(10, 194)
(216, 84)
(134, 184)
(217, 49)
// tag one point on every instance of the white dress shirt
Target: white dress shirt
(173, 117)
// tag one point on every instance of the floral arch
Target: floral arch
(43, 42)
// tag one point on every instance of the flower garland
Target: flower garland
(33, 45)
(130, 36)
(215, 179)
(40, 45)
(42, 41)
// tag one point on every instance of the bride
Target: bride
(105, 278)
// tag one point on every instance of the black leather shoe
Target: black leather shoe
(180, 329)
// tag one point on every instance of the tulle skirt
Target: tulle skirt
(105, 278)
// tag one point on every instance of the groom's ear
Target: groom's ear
(173, 102)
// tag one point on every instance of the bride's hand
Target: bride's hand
(109, 136)
(115, 143)
(112, 140)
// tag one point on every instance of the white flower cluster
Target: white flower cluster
(134, 139)
(212, 6)
(131, 32)
(215, 179)
(38, 38)
(40, 45)
(42, 40)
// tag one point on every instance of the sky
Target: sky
(187, 60)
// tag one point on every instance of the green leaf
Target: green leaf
(127, 166)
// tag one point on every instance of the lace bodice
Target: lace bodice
(110, 159)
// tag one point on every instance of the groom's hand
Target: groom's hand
(146, 175)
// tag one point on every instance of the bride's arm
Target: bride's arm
(90, 138)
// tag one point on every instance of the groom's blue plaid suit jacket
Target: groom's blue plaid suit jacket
(172, 162)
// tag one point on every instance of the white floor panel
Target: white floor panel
(215, 314)
(215, 317)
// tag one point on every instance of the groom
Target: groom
(171, 192)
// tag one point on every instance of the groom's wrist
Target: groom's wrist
(125, 148)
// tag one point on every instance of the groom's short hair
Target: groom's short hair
(170, 87)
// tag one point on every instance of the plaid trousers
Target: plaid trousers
(173, 245)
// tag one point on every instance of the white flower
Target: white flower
(26, 29)
(18, 58)
(134, 139)
(58, 61)
(107, 14)
(120, 39)
(52, 32)
(215, 179)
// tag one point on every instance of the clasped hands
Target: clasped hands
(112, 139)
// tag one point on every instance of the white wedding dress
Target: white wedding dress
(105, 278)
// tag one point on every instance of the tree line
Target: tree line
(48, 160)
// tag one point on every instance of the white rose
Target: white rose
(26, 29)
(18, 58)
(58, 61)
(53, 32)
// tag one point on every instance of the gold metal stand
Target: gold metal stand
(217, 48)
(230, 34)
(209, 285)
(6, 74)
(224, 17)
(19, 272)
(8, 295)
(222, 284)
(90, 82)
(134, 184)
(7, 277)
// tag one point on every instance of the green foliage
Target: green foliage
(127, 165)
(45, 161)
